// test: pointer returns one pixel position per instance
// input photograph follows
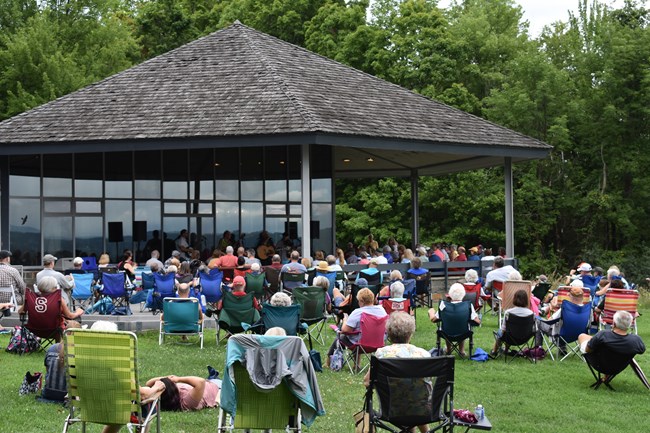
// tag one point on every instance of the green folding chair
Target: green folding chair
(180, 317)
(312, 303)
(255, 285)
(236, 310)
(103, 381)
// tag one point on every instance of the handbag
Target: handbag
(336, 360)
(31, 383)
(314, 355)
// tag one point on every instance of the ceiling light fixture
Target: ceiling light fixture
(346, 160)
(370, 160)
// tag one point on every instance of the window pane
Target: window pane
(321, 190)
(176, 208)
(25, 231)
(227, 216)
(322, 212)
(57, 206)
(149, 211)
(251, 163)
(295, 190)
(119, 175)
(295, 210)
(276, 190)
(57, 236)
(89, 207)
(276, 209)
(88, 188)
(227, 190)
(202, 235)
(203, 190)
(25, 186)
(201, 174)
(173, 227)
(88, 236)
(119, 211)
(147, 188)
(226, 164)
(251, 220)
(175, 190)
(118, 189)
(57, 176)
(251, 190)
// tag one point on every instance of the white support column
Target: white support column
(510, 228)
(415, 210)
(306, 200)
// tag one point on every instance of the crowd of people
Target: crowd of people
(583, 284)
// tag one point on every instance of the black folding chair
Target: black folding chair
(519, 333)
(454, 326)
(605, 365)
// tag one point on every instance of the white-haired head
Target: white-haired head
(104, 325)
(397, 290)
(471, 276)
(457, 292)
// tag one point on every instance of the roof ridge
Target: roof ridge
(284, 86)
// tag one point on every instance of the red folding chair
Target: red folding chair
(391, 305)
(43, 316)
(619, 300)
(372, 330)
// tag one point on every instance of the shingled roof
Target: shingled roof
(239, 83)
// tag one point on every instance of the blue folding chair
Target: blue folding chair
(331, 277)
(82, 292)
(114, 287)
(574, 321)
(287, 318)
(164, 286)
(211, 288)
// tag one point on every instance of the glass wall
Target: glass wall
(88, 203)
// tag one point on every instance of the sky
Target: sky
(542, 12)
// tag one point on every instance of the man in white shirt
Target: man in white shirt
(499, 272)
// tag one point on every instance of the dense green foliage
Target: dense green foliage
(583, 86)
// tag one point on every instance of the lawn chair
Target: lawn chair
(473, 295)
(287, 318)
(574, 321)
(331, 277)
(410, 293)
(82, 292)
(103, 385)
(619, 300)
(211, 289)
(372, 330)
(236, 310)
(412, 392)
(312, 310)
(273, 278)
(519, 333)
(114, 287)
(422, 286)
(292, 277)
(507, 294)
(180, 317)
(605, 365)
(255, 285)
(42, 317)
(563, 295)
(164, 287)
(8, 294)
(541, 290)
(454, 326)
(390, 305)
(285, 404)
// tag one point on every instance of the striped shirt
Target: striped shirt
(10, 277)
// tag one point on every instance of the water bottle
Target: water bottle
(479, 412)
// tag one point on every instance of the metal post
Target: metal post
(510, 235)
(4, 201)
(415, 209)
(306, 200)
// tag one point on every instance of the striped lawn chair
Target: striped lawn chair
(619, 300)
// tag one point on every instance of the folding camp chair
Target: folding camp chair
(164, 287)
(82, 292)
(103, 385)
(619, 300)
(574, 321)
(605, 365)
(391, 305)
(236, 310)
(211, 289)
(8, 294)
(413, 392)
(273, 278)
(563, 295)
(148, 285)
(331, 277)
(292, 277)
(374, 279)
(541, 290)
(283, 405)
(180, 317)
(518, 333)
(271, 316)
(312, 309)
(114, 287)
(255, 285)
(507, 294)
(42, 317)
(422, 286)
(372, 330)
(454, 326)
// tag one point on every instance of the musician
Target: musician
(265, 248)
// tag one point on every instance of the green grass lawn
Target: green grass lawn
(518, 397)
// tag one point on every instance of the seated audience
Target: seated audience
(456, 294)
(617, 339)
(238, 289)
(520, 302)
(575, 297)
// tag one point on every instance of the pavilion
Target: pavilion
(235, 131)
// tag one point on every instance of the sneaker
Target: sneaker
(212, 373)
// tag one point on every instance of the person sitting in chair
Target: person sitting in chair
(400, 328)
(520, 302)
(239, 289)
(456, 294)
(617, 339)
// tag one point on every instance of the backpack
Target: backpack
(22, 341)
(336, 360)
